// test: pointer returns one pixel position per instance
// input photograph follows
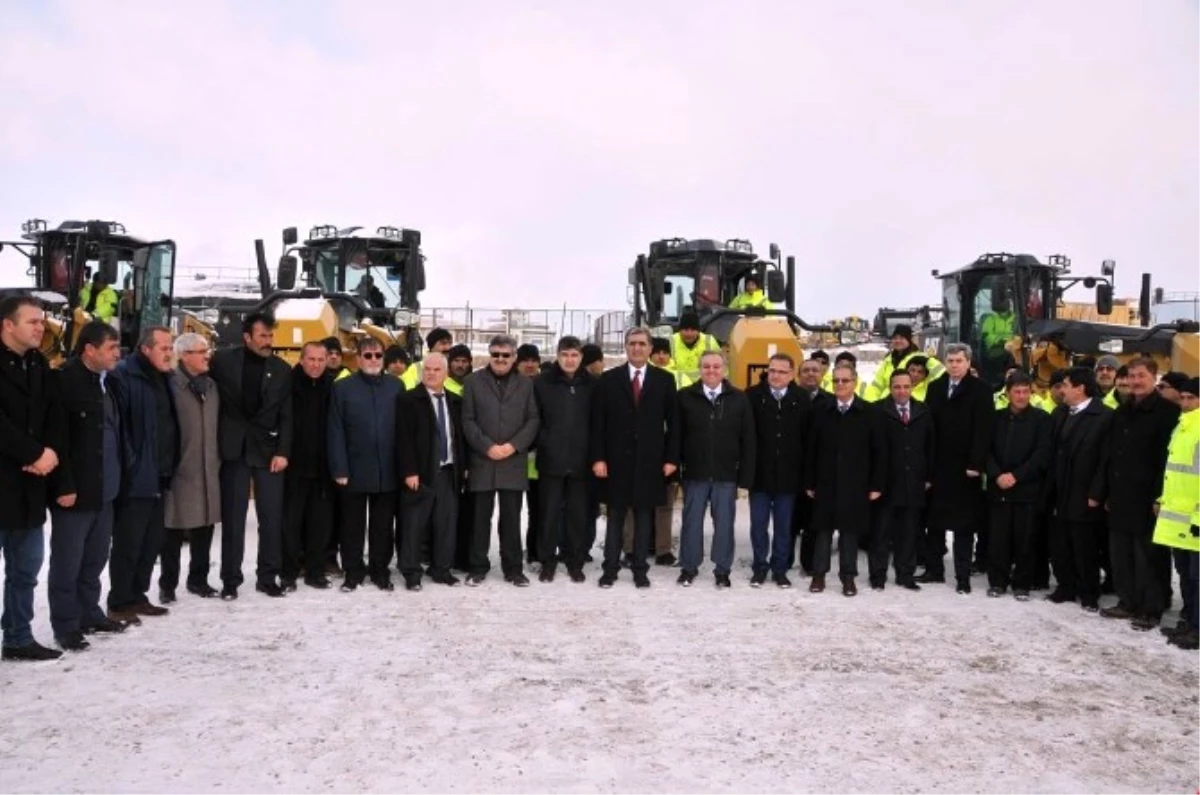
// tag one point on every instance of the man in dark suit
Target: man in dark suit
(431, 458)
(844, 474)
(1141, 435)
(1016, 470)
(255, 438)
(1078, 470)
(781, 412)
(811, 373)
(962, 407)
(908, 433)
(634, 449)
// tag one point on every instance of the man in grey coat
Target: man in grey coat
(500, 423)
(193, 500)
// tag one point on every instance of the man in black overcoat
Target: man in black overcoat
(634, 449)
(962, 407)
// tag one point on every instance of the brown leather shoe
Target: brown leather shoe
(849, 588)
(126, 617)
(818, 584)
(147, 609)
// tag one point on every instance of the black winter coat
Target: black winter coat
(31, 419)
(81, 470)
(565, 407)
(780, 429)
(416, 437)
(1080, 465)
(1021, 447)
(910, 453)
(963, 434)
(847, 459)
(310, 423)
(362, 432)
(634, 441)
(138, 387)
(717, 439)
(254, 440)
(1137, 457)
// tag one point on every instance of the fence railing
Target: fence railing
(474, 326)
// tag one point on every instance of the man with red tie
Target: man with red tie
(634, 449)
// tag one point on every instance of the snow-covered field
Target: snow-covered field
(566, 687)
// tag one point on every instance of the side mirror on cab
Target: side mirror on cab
(286, 278)
(776, 287)
(1104, 299)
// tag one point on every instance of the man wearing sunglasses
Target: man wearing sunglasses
(362, 461)
(500, 423)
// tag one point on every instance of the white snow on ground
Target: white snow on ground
(567, 687)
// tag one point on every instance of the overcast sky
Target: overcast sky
(540, 146)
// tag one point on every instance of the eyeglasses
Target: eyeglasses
(779, 372)
(501, 354)
(201, 351)
(843, 380)
(369, 355)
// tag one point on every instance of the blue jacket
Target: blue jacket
(142, 476)
(362, 432)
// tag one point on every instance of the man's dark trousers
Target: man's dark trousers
(308, 524)
(79, 545)
(434, 507)
(371, 518)
(136, 541)
(236, 477)
(509, 527)
(897, 532)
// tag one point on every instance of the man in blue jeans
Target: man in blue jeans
(32, 433)
(717, 432)
(781, 410)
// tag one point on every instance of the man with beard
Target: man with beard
(962, 408)
(362, 461)
(564, 401)
(255, 441)
(1137, 455)
(307, 484)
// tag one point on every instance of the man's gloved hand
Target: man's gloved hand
(1195, 530)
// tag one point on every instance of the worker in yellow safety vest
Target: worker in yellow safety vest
(903, 351)
(439, 340)
(99, 299)
(1106, 370)
(396, 361)
(688, 344)
(751, 296)
(660, 356)
(1178, 512)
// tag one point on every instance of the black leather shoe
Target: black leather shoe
(665, 559)
(413, 585)
(547, 573)
(909, 585)
(320, 582)
(576, 575)
(930, 578)
(229, 593)
(30, 652)
(287, 584)
(270, 589)
(383, 584)
(1060, 596)
(641, 581)
(166, 595)
(608, 580)
(204, 591)
(106, 626)
(73, 641)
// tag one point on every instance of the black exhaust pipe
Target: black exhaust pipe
(1144, 301)
(791, 285)
(264, 275)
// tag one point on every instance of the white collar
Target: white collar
(1082, 406)
(714, 391)
(633, 370)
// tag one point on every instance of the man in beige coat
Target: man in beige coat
(193, 502)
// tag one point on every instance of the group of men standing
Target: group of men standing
(131, 456)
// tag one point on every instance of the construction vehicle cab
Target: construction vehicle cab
(351, 285)
(704, 276)
(1003, 304)
(64, 260)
